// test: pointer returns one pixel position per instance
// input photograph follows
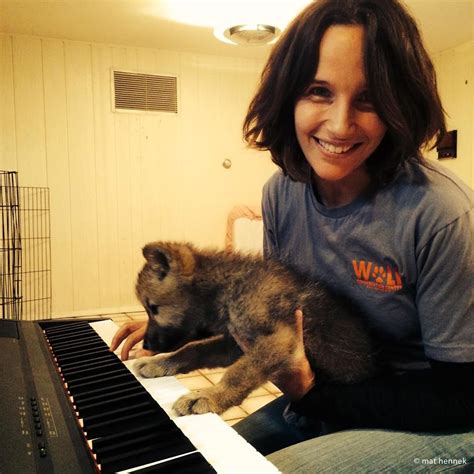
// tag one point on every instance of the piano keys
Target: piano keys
(73, 406)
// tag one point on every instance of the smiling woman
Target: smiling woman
(346, 104)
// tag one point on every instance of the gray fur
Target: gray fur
(199, 300)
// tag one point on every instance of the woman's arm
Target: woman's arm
(434, 399)
(441, 397)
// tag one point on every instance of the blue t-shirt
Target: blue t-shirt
(402, 257)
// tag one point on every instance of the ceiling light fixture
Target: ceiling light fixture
(256, 34)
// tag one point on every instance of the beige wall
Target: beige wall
(119, 180)
(455, 72)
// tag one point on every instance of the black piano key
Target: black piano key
(72, 339)
(123, 398)
(100, 391)
(84, 360)
(86, 387)
(194, 463)
(76, 335)
(112, 413)
(106, 397)
(149, 450)
(92, 344)
(96, 348)
(109, 427)
(103, 365)
(57, 334)
(118, 448)
(107, 373)
(82, 354)
(113, 403)
(75, 357)
(109, 393)
(66, 327)
(126, 433)
(81, 364)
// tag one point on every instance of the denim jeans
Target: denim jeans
(305, 447)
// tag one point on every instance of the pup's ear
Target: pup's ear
(158, 258)
(188, 261)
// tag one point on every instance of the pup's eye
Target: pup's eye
(161, 274)
(152, 309)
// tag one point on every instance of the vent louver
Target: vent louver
(146, 92)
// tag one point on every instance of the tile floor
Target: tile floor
(207, 377)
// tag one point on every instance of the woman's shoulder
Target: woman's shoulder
(433, 187)
(280, 184)
(284, 197)
(277, 180)
(430, 198)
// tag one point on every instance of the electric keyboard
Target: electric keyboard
(69, 405)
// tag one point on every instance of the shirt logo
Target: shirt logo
(377, 277)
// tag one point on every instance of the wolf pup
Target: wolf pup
(199, 300)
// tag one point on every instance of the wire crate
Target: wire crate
(10, 246)
(26, 250)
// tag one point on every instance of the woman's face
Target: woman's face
(336, 125)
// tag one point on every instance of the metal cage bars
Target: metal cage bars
(26, 250)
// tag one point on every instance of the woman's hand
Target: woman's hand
(297, 381)
(132, 333)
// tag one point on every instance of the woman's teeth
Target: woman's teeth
(333, 148)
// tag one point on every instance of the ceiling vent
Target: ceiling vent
(145, 92)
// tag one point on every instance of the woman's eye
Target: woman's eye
(318, 91)
(365, 101)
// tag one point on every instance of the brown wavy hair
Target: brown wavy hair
(400, 77)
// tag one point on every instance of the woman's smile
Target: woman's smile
(335, 148)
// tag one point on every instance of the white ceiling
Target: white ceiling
(444, 24)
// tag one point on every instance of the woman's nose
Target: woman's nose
(341, 119)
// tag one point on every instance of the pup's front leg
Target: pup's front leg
(269, 355)
(240, 379)
(216, 351)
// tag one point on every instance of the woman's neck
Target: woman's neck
(342, 192)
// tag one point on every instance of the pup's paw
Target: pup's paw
(197, 403)
(154, 366)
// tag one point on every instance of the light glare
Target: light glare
(224, 13)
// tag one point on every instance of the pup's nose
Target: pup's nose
(147, 344)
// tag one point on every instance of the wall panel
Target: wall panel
(8, 155)
(128, 191)
(106, 179)
(455, 72)
(119, 180)
(29, 111)
(59, 172)
(82, 135)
